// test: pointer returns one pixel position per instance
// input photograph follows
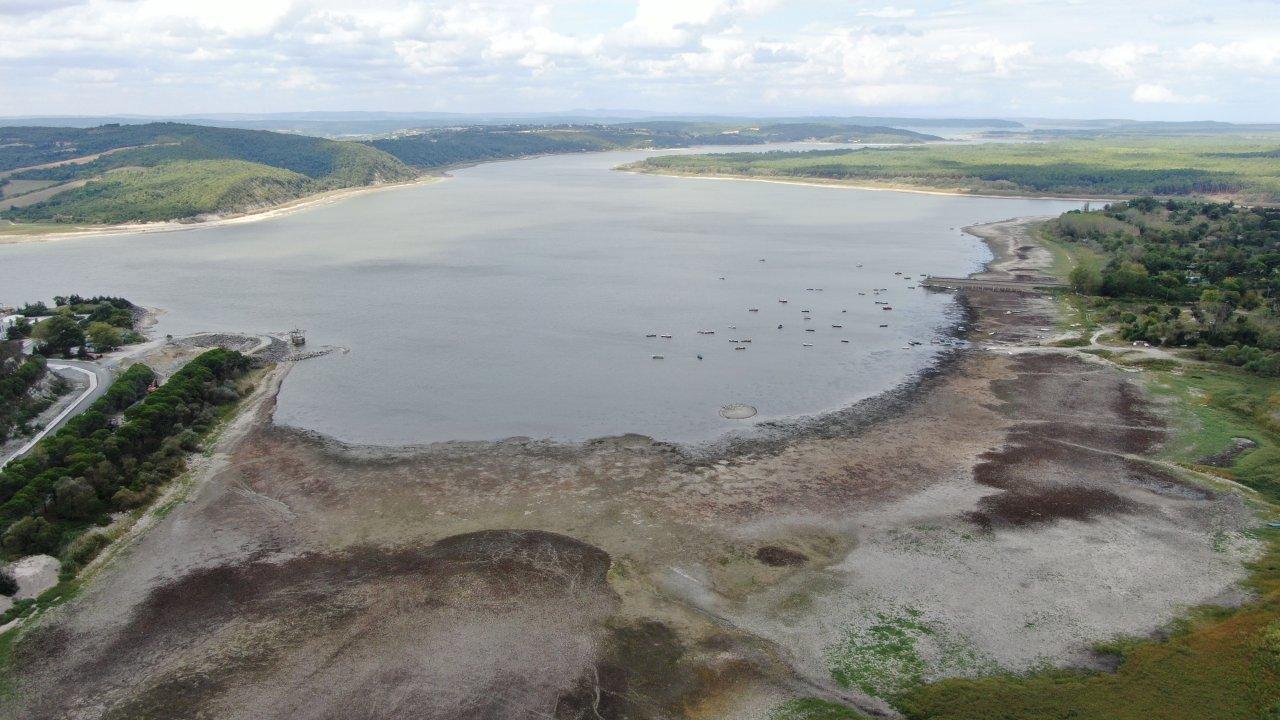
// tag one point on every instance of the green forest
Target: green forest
(101, 322)
(114, 455)
(1187, 274)
(169, 171)
(1242, 167)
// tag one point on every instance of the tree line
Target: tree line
(113, 455)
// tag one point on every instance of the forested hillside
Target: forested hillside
(165, 171)
(455, 146)
(1241, 167)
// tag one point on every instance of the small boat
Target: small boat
(761, 259)
(811, 330)
(753, 309)
(746, 340)
(859, 264)
(884, 325)
(886, 307)
(808, 344)
(699, 356)
(779, 326)
(862, 293)
(706, 332)
(844, 341)
(665, 337)
(844, 311)
(733, 327)
(652, 335)
(782, 300)
(733, 340)
(837, 326)
(740, 347)
(658, 357)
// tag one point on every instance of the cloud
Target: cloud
(889, 13)
(1120, 60)
(979, 57)
(1156, 93)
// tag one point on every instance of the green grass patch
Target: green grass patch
(1218, 404)
(814, 709)
(899, 651)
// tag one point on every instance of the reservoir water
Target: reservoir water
(514, 298)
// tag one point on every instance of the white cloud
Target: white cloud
(979, 57)
(889, 12)
(1156, 93)
(1119, 60)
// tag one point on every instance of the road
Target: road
(99, 379)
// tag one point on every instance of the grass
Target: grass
(1235, 165)
(897, 653)
(814, 709)
(1217, 404)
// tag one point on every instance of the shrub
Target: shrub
(8, 584)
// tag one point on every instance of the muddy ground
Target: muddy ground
(1004, 512)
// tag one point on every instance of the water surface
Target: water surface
(514, 298)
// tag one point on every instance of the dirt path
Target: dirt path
(998, 514)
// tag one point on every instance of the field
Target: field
(1240, 166)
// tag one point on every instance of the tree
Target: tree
(29, 536)
(59, 334)
(1216, 307)
(105, 337)
(74, 499)
(1085, 280)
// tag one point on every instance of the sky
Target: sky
(1168, 60)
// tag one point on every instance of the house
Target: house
(7, 322)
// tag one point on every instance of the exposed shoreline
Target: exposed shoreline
(865, 185)
(950, 496)
(275, 211)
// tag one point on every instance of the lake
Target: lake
(514, 298)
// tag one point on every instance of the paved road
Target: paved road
(99, 379)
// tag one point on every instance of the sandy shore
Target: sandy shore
(863, 185)
(1010, 503)
(305, 203)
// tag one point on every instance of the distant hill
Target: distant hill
(344, 125)
(454, 146)
(166, 171)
